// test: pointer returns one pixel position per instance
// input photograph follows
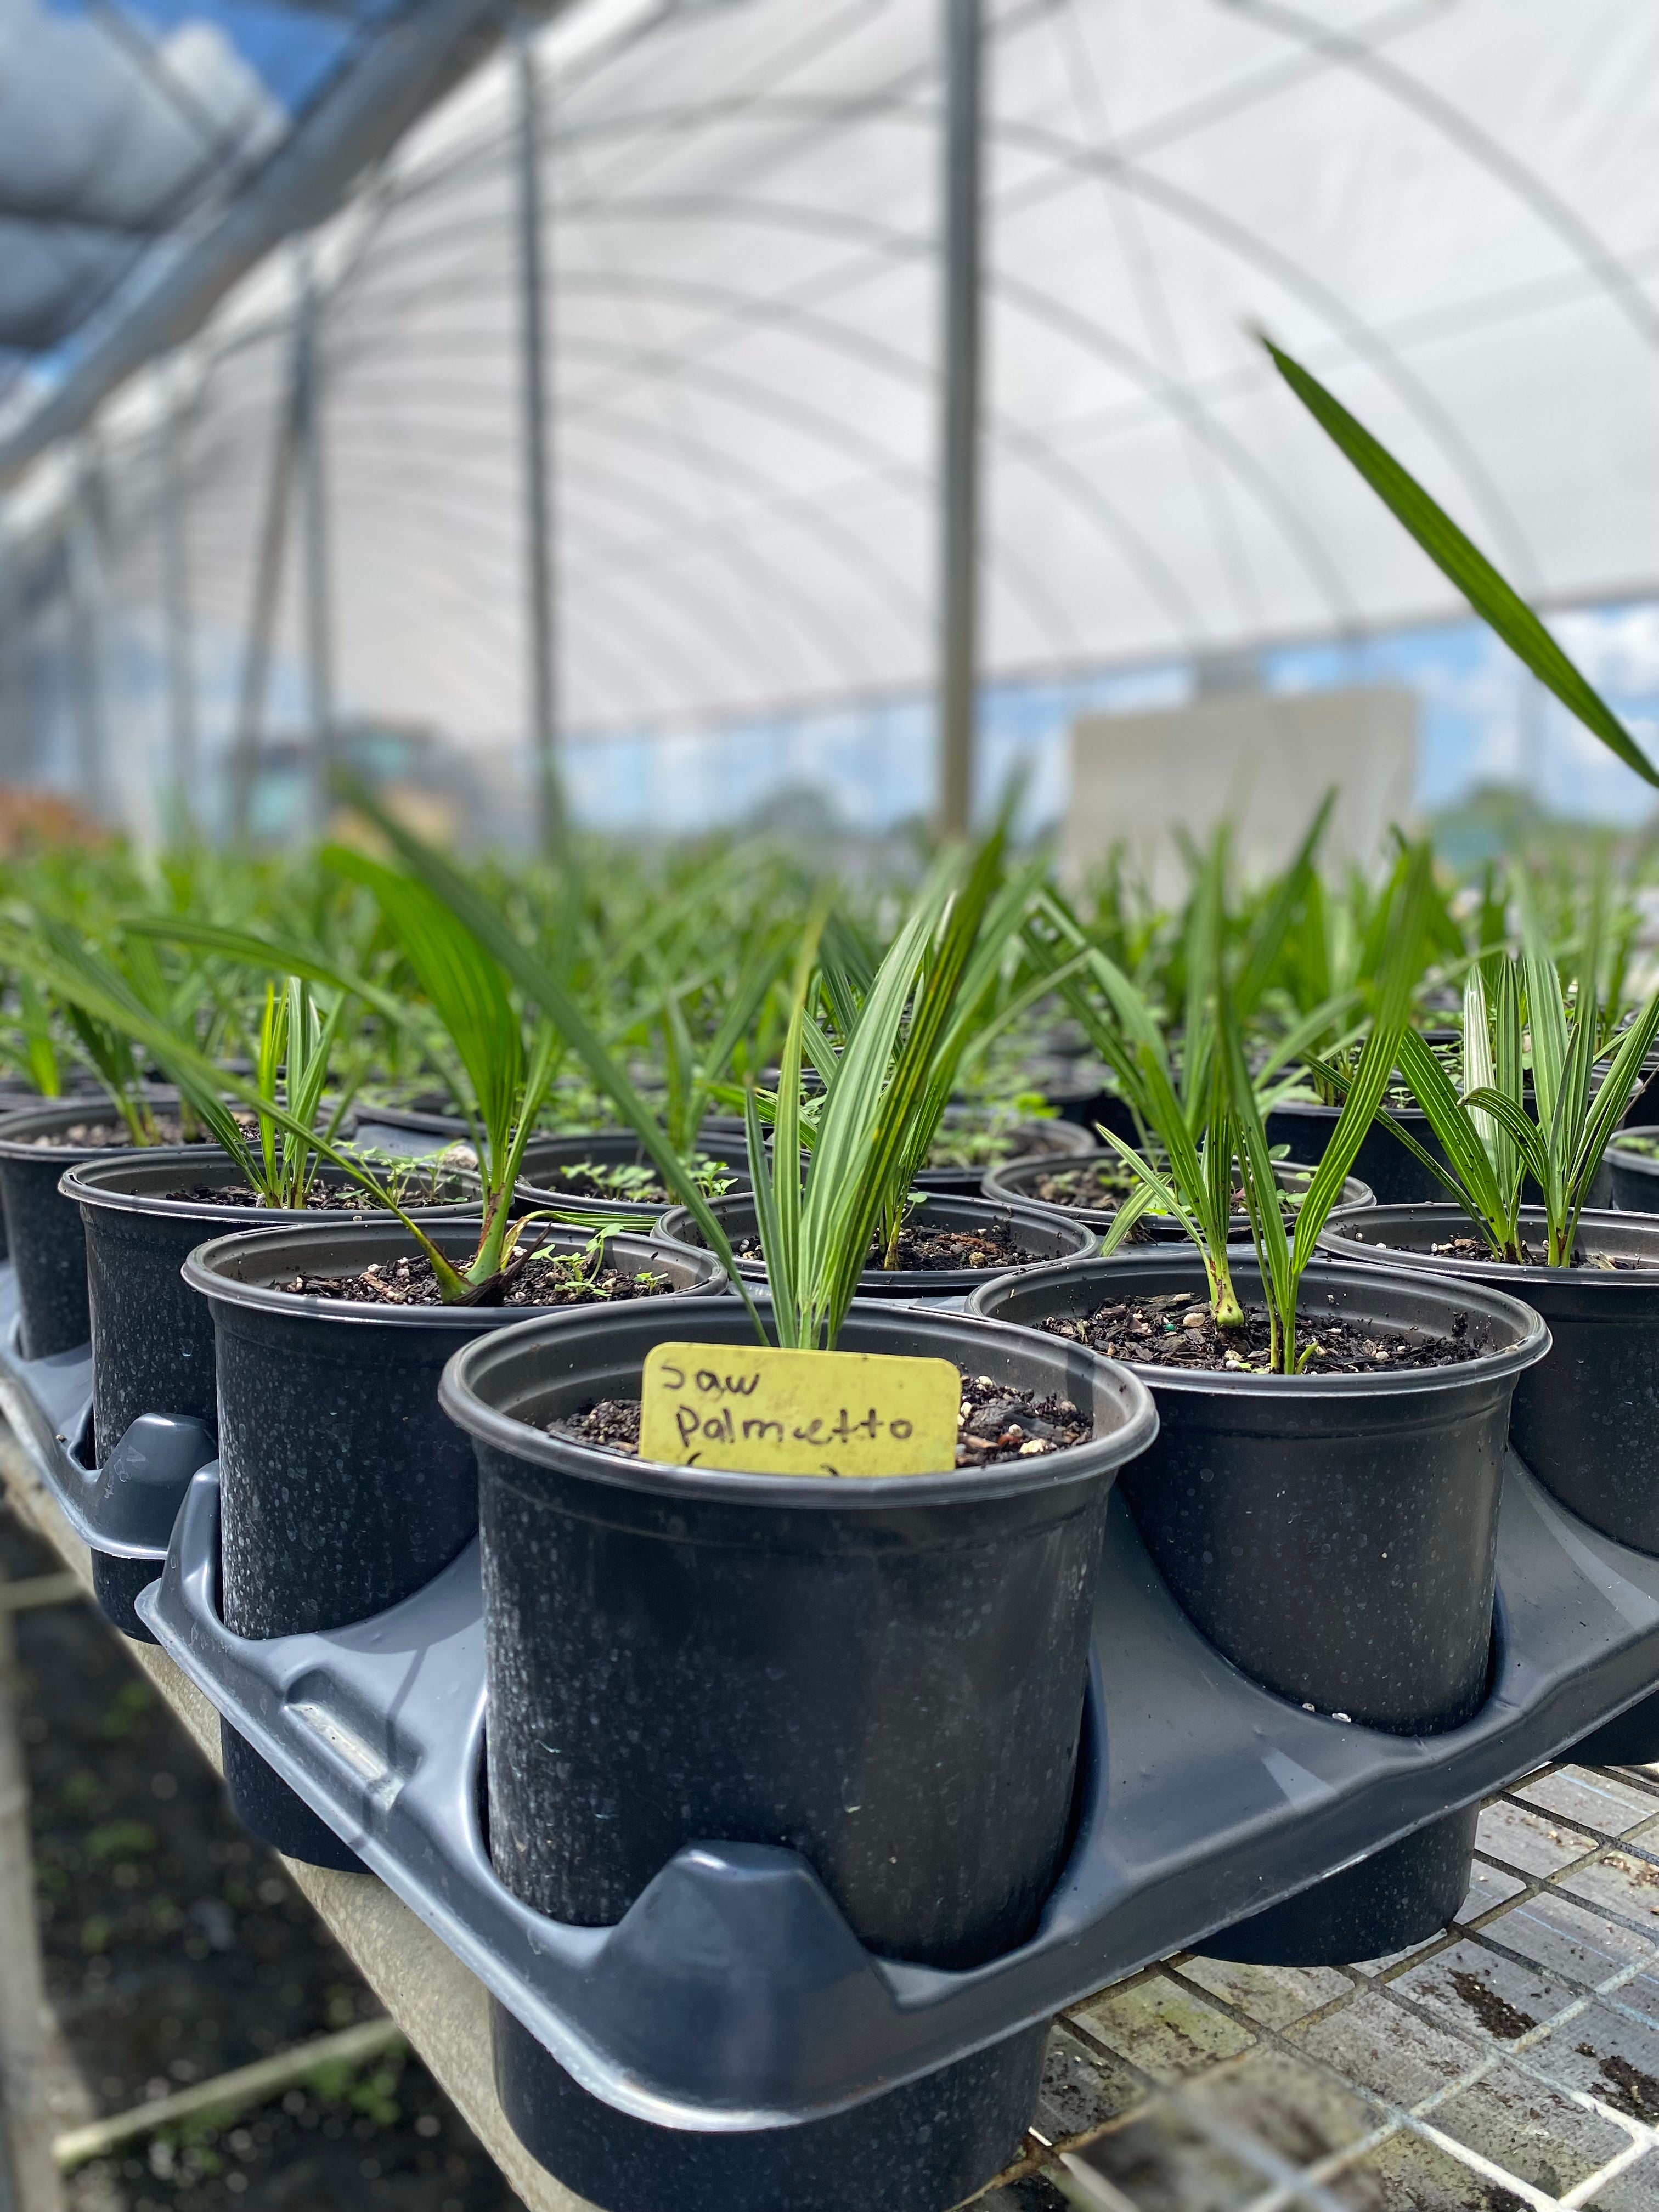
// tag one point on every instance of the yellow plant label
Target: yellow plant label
(757, 1411)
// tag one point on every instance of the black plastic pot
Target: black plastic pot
(22, 1098)
(1383, 1162)
(1015, 1183)
(927, 2145)
(1335, 1536)
(425, 1124)
(152, 1336)
(1080, 1091)
(1050, 1140)
(47, 1243)
(1047, 1235)
(1632, 1179)
(537, 1184)
(1586, 1421)
(886, 1676)
(345, 1488)
(1642, 1112)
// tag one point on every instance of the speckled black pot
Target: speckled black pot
(932, 2143)
(1632, 1179)
(1047, 1233)
(47, 1243)
(22, 1098)
(886, 1675)
(152, 1334)
(1335, 1536)
(1586, 1421)
(1393, 1174)
(344, 1487)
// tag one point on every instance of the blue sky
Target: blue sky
(292, 49)
(1481, 720)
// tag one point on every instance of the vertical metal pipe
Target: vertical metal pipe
(314, 545)
(15, 749)
(262, 608)
(535, 455)
(959, 434)
(86, 636)
(181, 654)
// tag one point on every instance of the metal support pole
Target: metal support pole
(14, 747)
(262, 613)
(313, 492)
(536, 457)
(86, 586)
(25, 2114)
(181, 657)
(959, 427)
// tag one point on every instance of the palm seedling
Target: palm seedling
(1491, 1141)
(884, 1093)
(1185, 1165)
(47, 953)
(1283, 1256)
(1497, 603)
(284, 1099)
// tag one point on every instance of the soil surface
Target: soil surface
(1176, 1331)
(994, 1423)
(115, 1136)
(924, 1251)
(321, 1197)
(1101, 1185)
(1476, 1248)
(536, 1279)
(177, 1948)
(630, 1185)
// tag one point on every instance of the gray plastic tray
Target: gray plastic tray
(734, 1996)
(124, 1512)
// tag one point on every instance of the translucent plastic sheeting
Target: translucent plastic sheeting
(1446, 207)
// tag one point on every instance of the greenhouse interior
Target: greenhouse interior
(964, 696)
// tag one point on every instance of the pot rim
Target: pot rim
(1532, 1335)
(19, 1147)
(903, 1282)
(459, 1397)
(203, 1270)
(84, 1183)
(1591, 1279)
(1402, 1113)
(1345, 1204)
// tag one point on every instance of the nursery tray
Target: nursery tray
(734, 1996)
(125, 1510)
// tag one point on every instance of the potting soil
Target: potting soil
(536, 1281)
(1178, 1331)
(321, 1197)
(1475, 1248)
(111, 1136)
(922, 1250)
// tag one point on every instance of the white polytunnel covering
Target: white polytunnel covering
(1444, 207)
